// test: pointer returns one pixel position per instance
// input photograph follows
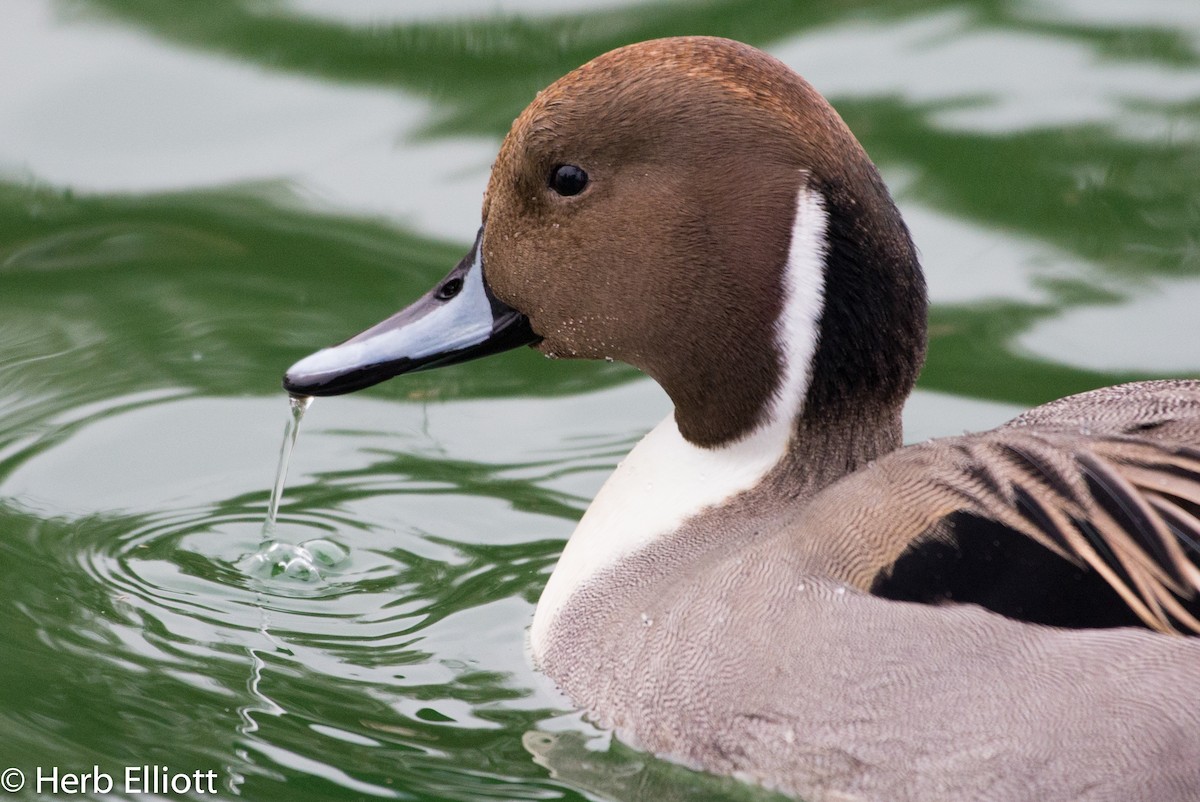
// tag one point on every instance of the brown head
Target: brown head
(642, 208)
(670, 258)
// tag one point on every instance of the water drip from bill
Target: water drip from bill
(302, 562)
(299, 405)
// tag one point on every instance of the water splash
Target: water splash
(296, 564)
(299, 405)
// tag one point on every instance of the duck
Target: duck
(770, 585)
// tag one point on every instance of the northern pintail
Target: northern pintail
(799, 601)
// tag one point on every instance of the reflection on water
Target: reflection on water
(195, 195)
(622, 773)
(1100, 336)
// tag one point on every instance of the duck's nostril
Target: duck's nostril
(449, 289)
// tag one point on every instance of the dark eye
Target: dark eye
(567, 179)
(449, 289)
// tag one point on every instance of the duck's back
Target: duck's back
(738, 645)
(1084, 512)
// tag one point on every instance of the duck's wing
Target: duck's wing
(1076, 513)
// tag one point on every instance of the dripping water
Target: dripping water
(299, 404)
(302, 563)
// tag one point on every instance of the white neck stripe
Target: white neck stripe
(798, 329)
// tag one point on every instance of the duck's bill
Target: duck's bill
(459, 319)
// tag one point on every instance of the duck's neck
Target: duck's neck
(666, 482)
(828, 415)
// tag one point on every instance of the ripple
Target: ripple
(160, 499)
(217, 567)
(367, 614)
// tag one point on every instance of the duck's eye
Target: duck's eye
(567, 179)
(449, 289)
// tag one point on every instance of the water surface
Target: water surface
(195, 195)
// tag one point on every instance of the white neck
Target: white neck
(666, 480)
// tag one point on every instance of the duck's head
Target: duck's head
(694, 208)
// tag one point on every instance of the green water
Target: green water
(194, 195)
